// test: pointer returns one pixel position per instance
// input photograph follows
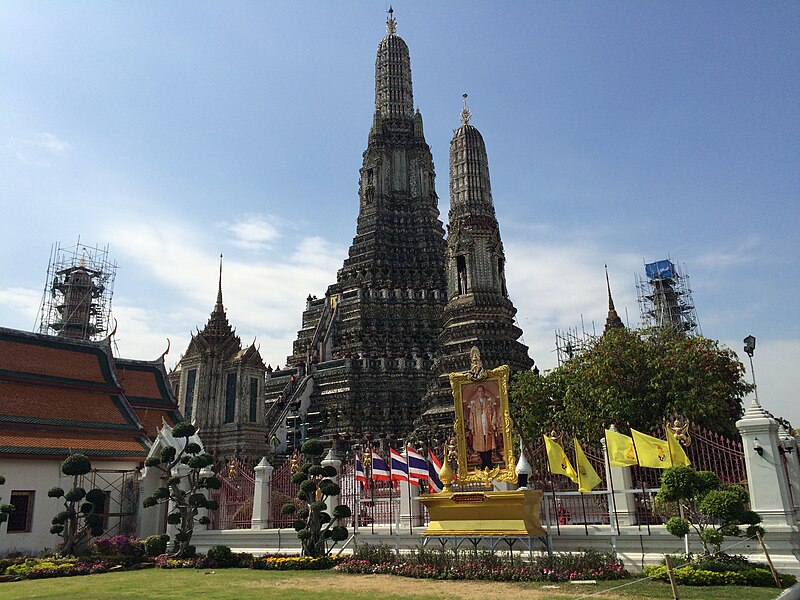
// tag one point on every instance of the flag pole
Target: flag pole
(408, 487)
(611, 484)
(391, 490)
(583, 500)
(644, 493)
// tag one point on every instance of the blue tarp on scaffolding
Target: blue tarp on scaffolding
(661, 269)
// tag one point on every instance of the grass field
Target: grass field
(245, 584)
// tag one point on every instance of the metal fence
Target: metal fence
(235, 498)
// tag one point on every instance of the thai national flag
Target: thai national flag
(434, 466)
(380, 470)
(398, 465)
(417, 466)
(360, 477)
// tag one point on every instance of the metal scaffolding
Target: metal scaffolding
(76, 301)
(665, 298)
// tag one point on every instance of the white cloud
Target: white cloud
(556, 286)
(254, 232)
(19, 304)
(264, 298)
(777, 376)
(745, 252)
(38, 150)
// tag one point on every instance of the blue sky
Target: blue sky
(617, 133)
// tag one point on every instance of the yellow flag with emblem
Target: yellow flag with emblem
(558, 461)
(621, 452)
(587, 476)
(652, 452)
(676, 452)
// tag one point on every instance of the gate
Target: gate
(235, 498)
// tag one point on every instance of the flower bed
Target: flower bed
(281, 562)
(41, 569)
(442, 564)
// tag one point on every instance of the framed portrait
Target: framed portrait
(483, 427)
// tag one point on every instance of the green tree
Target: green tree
(80, 520)
(314, 526)
(712, 510)
(636, 377)
(184, 486)
(5, 509)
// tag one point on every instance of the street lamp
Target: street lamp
(749, 348)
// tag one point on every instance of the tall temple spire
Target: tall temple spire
(383, 315)
(394, 98)
(478, 311)
(612, 321)
(218, 326)
(219, 291)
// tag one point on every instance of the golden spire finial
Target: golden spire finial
(391, 22)
(465, 114)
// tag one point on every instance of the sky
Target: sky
(617, 133)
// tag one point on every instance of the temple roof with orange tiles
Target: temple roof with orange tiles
(60, 395)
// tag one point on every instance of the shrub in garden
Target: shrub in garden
(721, 570)
(222, 556)
(5, 509)
(119, 545)
(314, 526)
(184, 491)
(155, 545)
(80, 519)
(714, 511)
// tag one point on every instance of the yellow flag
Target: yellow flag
(621, 452)
(587, 476)
(559, 463)
(679, 458)
(652, 452)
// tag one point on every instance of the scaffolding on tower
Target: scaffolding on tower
(571, 342)
(76, 302)
(665, 298)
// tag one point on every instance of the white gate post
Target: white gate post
(766, 478)
(623, 504)
(330, 460)
(262, 495)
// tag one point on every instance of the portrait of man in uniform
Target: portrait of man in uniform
(482, 420)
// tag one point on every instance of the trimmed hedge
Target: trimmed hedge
(755, 576)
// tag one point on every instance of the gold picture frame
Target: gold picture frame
(483, 426)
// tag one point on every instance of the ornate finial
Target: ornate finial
(465, 114)
(391, 23)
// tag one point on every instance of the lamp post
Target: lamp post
(749, 348)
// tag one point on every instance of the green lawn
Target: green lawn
(244, 584)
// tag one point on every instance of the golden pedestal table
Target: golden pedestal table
(505, 514)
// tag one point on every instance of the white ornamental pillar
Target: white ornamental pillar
(623, 504)
(792, 464)
(409, 504)
(330, 460)
(148, 519)
(262, 495)
(766, 478)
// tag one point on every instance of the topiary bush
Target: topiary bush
(712, 510)
(80, 520)
(184, 487)
(315, 527)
